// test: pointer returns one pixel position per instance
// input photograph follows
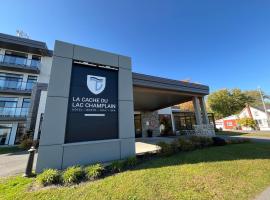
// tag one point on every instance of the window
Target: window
(15, 58)
(5, 130)
(25, 106)
(35, 62)
(229, 124)
(10, 81)
(259, 122)
(31, 80)
(8, 106)
(20, 131)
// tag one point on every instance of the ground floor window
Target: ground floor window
(5, 131)
(184, 120)
(20, 131)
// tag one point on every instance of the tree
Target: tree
(187, 106)
(247, 122)
(227, 102)
(255, 95)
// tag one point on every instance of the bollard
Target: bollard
(30, 162)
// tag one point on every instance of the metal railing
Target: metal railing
(16, 85)
(20, 61)
(13, 112)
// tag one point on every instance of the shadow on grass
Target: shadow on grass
(246, 151)
(12, 150)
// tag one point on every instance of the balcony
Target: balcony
(16, 63)
(13, 113)
(16, 87)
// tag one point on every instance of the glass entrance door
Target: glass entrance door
(138, 125)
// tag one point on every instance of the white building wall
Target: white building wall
(41, 110)
(45, 70)
(261, 118)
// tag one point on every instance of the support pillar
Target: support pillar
(204, 112)
(197, 110)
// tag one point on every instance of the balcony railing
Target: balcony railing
(16, 85)
(13, 112)
(20, 61)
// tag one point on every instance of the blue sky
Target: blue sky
(221, 43)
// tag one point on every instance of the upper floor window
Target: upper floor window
(16, 58)
(35, 62)
(10, 81)
(10, 102)
(31, 80)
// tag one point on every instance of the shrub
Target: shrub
(201, 141)
(165, 149)
(73, 174)
(237, 141)
(175, 146)
(49, 177)
(26, 142)
(217, 141)
(117, 166)
(248, 122)
(131, 161)
(185, 144)
(196, 141)
(93, 171)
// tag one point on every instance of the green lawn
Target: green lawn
(230, 172)
(247, 134)
(4, 150)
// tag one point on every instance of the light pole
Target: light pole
(264, 106)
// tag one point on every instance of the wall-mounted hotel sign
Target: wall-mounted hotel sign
(93, 103)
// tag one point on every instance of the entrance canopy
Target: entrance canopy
(152, 93)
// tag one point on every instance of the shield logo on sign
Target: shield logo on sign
(96, 84)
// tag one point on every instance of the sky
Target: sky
(220, 43)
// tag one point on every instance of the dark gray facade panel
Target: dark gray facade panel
(95, 56)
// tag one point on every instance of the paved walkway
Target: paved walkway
(13, 163)
(265, 195)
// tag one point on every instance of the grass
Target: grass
(4, 150)
(229, 172)
(246, 134)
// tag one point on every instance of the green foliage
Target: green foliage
(26, 142)
(73, 174)
(117, 166)
(237, 141)
(255, 95)
(165, 149)
(194, 175)
(185, 144)
(93, 171)
(49, 177)
(200, 141)
(131, 161)
(247, 122)
(228, 102)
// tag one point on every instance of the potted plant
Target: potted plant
(149, 133)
